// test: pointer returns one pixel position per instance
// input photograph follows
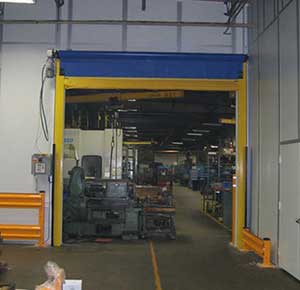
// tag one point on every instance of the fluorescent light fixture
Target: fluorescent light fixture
(130, 128)
(212, 124)
(19, 1)
(131, 136)
(214, 146)
(189, 139)
(177, 143)
(194, 134)
(227, 121)
(200, 130)
(132, 100)
(212, 153)
(130, 131)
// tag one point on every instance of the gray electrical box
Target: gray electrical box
(41, 164)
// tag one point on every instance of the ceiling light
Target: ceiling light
(130, 128)
(131, 136)
(177, 143)
(19, 1)
(212, 153)
(212, 124)
(214, 146)
(168, 151)
(132, 100)
(200, 130)
(130, 133)
(189, 139)
(227, 121)
(194, 134)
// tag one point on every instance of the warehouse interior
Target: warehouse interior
(157, 141)
(152, 138)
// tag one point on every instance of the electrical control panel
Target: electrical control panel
(41, 164)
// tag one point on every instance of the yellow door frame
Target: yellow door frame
(238, 86)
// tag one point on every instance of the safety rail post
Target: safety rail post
(233, 227)
(42, 220)
(261, 247)
(267, 254)
(21, 231)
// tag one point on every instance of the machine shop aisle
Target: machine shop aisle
(200, 259)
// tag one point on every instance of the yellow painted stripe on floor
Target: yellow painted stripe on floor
(155, 267)
(218, 222)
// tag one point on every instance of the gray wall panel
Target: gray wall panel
(288, 73)
(274, 95)
(95, 9)
(255, 129)
(290, 209)
(152, 38)
(252, 19)
(260, 16)
(269, 9)
(269, 134)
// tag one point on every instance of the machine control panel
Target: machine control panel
(41, 164)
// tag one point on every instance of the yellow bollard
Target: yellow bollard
(267, 254)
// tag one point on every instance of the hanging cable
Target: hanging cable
(46, 71)
(43, 117)
(112, 148)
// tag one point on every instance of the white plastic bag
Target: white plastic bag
(55, 277)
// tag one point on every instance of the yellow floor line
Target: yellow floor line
(215, 220)
(155, 267)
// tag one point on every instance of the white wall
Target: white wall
(23, 52)
(274, 99)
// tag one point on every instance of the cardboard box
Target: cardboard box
(72, 285)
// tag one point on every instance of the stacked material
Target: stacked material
(158, 213)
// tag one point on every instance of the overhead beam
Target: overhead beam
(94, 83)
(105, 97)
(127, 22)
(137, 143)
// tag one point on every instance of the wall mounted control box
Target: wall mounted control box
(41, 164)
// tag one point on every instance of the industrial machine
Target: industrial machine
(95, 207)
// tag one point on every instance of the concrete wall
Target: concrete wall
(23, 52)
(273, 99)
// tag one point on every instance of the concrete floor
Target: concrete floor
(200, 259)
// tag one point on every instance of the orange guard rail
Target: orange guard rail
(262, 247)
(24, 232)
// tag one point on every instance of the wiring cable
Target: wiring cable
(111, 154)
(42, 129)
(111, 150)
(43, 116)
